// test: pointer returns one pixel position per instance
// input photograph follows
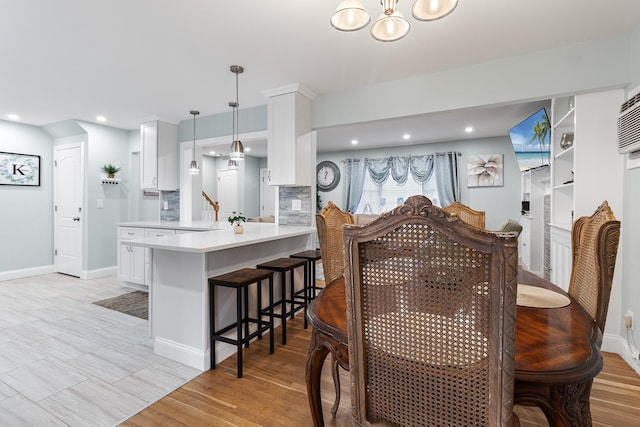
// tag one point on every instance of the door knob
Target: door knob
(76, 218)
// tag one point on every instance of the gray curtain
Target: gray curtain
(354, 170)
(379, 169)
(447, 177)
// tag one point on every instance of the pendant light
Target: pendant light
(237, 150)
(350, 16)
(431, 10)
(193, 168)
(233, 165)
(391, 25)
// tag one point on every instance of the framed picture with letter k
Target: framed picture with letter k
(19, 169)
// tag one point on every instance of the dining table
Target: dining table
(557, 353)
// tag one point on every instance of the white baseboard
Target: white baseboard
(186, 355)
(617, 344)
(101, 272)
(26, 272)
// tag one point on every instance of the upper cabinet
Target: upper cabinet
(290, 142)
(159, 158)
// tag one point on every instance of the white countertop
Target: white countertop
(221, 237)
(176, 225)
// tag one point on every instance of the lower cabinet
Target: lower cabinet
(134, 262)
(561, 259)
(131, 259)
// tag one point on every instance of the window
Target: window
(378, 199)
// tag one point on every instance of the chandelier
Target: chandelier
(351, 15)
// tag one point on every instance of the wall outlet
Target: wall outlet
(296, 205)
(628, 320)
(166, 205)
(100, 204)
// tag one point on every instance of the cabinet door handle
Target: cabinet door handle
(269, 175)
(154, 180)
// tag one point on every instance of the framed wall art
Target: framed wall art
(19, 169)
(485, 170)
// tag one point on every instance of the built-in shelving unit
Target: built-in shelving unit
(562, 175)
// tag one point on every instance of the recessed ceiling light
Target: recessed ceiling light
(101, 118)
(468, 129)
(406, 136)
(354, 141)
(13, 117)
(247, 149)
(212, 152)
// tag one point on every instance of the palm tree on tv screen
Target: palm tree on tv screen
(540, 133)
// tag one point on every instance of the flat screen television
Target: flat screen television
(531, 140)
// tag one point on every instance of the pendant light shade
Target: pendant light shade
(431, 10)
(237, 149)
(350, 16)
(390, 26)
(193, 167)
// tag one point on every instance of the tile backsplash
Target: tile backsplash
(289, 196)
(170, 200)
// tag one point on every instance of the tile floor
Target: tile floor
(65, 361)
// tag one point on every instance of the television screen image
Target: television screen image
(531, 139)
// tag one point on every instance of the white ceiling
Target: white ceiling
(131, 59)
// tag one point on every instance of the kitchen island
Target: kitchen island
(178, 291)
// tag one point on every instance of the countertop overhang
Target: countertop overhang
(219, 238)
(176, 225)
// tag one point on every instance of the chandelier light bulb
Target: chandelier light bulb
(389, 28)
(350, 16)
(431, 10)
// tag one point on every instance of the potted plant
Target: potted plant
(110, 170)
(236, 220)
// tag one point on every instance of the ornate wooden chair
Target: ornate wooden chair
(594, 242)
(329, 224)
(466, 214)
(431, 305)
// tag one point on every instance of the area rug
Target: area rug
(134, 304)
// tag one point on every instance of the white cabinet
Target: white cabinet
(130, 258)
(159, 158)
(561, 259)
(152, 232)
(524, 242)
(290, 142)
(534, 185)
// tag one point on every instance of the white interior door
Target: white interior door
(267, 195)
(227, 193)
(67, 199)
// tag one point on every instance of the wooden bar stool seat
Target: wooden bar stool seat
(297, 299)
(240, 280)
(311, 256)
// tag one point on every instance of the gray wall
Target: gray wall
(104, 145)
(630, 243)
(26, 213)
(499, 203)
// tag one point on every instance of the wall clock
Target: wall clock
(327, 175)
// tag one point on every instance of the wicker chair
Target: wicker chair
(431, 306)
(329, 223)
(466, 214)
(594, 241)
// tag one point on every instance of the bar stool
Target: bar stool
(282, 265)
(240, 280)
(311, 256)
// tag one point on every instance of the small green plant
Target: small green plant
(236, 220)
(109, 169)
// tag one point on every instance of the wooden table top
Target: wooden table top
(553, 345)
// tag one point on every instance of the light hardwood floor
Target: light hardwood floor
(273, 392)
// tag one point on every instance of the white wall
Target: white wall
(26, 214)
(499, 203)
